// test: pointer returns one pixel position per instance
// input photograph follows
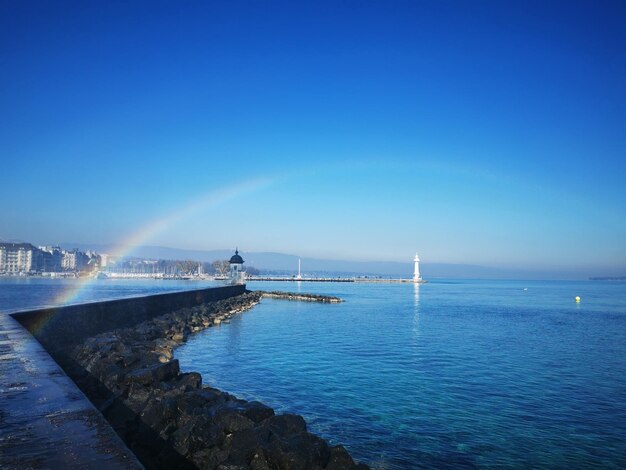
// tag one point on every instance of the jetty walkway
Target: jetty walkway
(45, 420)
(302, 279)
(331, 279)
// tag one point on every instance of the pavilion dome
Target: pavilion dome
(236, 258)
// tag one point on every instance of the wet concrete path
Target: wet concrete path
(45, 420)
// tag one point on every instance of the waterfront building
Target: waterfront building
(68, 262)
(74, 260)
(236, 269)
(51, 259)
(93, 263)
(18, 258)
(93, 260)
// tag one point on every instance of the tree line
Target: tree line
(175, 267)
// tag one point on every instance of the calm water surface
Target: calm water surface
(458, 374)
(19, 293)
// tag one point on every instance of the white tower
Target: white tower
(416, 271)
(299, 275)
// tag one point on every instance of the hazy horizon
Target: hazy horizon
(287, 263)
(488, 134)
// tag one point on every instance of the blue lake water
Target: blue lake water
(19, 293)
(450, 374)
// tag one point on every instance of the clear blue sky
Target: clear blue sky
(475, 132)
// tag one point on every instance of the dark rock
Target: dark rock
(154, 414)
(154, 373)
(283, 442)
(167, 371)
(301, 297)
(210, 396)
(188, 381)
(121, 348)
(206, 433)
(286, 459)
(199, 401)
(138, 397)
(245, 444)
(339, 459)
(168, 459)
(231, 421)
(302, 450)
(181, 438)
(143, 376)
(287, 424)
(209, 458)
(106, 369)
(128, 359)
(160, 414)
(257, 411)
(259, 462)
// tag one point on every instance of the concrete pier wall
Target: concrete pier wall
(59, 329)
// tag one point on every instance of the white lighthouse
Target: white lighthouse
(416, 270)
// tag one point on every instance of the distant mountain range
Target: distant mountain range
(288, 264)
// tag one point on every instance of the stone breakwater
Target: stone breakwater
(301, 297)
(170, 420)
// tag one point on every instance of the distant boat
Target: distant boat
(102, 275)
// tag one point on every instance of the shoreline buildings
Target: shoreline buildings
(25, 258)
(18, 258)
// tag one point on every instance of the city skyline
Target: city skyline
(478, 133)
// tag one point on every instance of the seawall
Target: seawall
(60, 329)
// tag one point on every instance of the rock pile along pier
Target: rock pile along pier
(170, 420)
(301, 297)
